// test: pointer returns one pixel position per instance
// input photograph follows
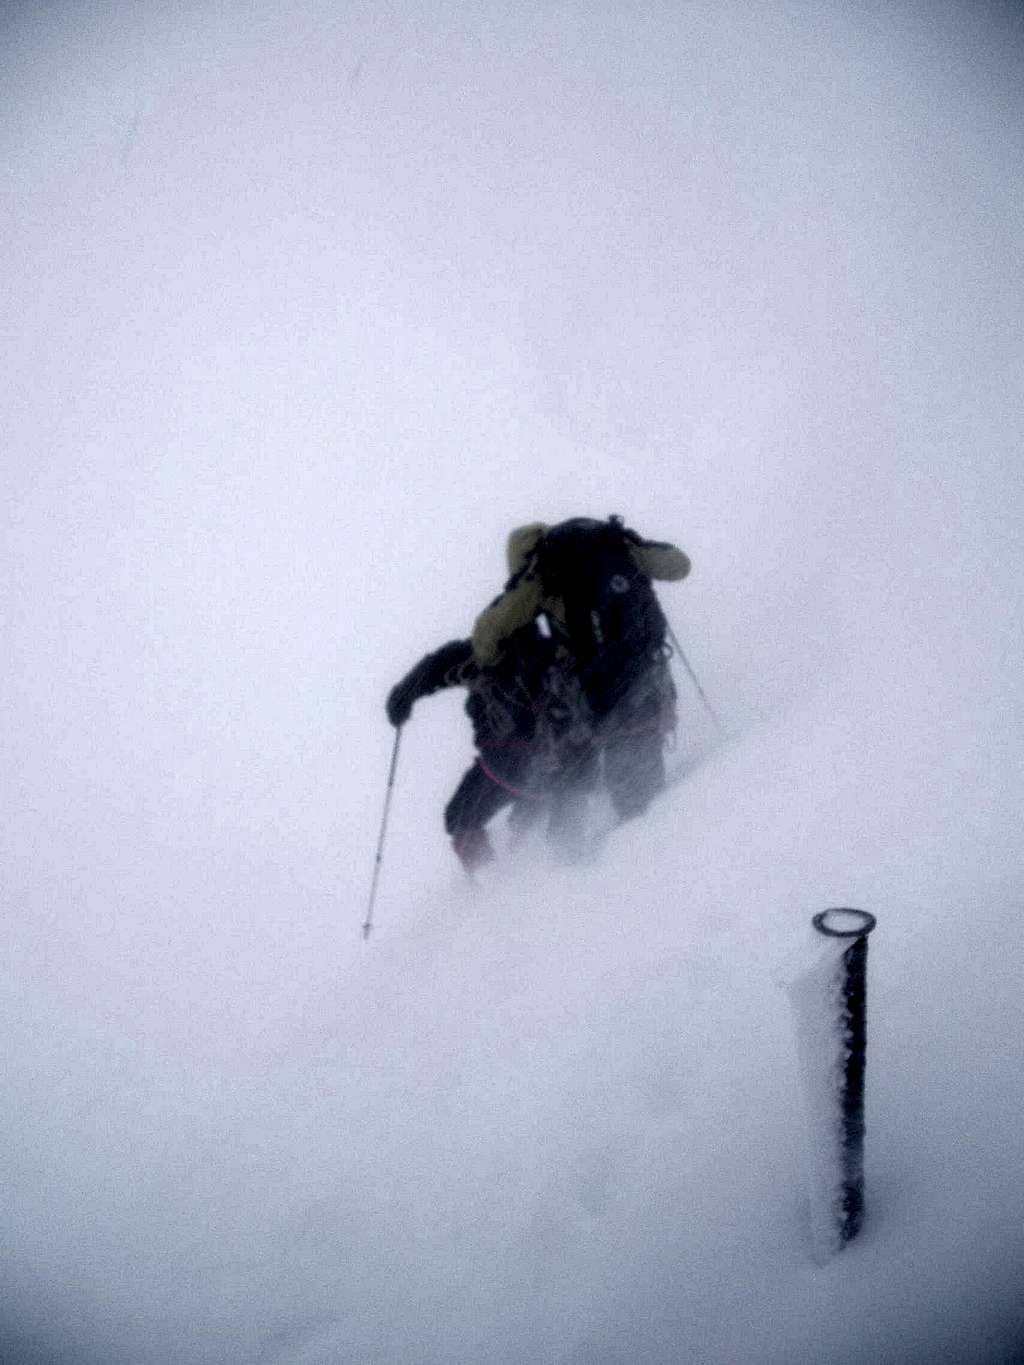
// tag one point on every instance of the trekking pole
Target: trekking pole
(368, 922)
(696, 682)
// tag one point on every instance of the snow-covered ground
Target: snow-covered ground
(305, 306)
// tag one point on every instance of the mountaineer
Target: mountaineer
(589, 585)
(505, 705)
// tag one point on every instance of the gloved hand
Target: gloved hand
(399, 705)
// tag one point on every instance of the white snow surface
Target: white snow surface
(305, 307)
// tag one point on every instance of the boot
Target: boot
(473, 848)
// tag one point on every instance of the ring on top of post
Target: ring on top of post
(843, 922)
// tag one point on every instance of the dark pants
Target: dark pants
(477, 799)
(632, 738)
(628, 743)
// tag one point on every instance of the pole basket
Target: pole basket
(830, 1010)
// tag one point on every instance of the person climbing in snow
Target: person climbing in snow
(590, 581)
(505, 705)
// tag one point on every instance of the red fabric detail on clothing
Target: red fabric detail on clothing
(498, 782)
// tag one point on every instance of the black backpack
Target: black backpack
(613, 626)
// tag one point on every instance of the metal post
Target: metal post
(830, 1001)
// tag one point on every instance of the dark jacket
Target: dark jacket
(506, 701)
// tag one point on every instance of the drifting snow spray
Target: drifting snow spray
(829, 1003)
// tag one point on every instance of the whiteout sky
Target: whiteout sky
(303, 309)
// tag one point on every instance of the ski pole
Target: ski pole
(368, 921)
(694, 679)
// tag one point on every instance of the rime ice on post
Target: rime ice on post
(829, 1001)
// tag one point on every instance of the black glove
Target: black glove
(399, 704)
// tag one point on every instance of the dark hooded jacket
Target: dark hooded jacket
(506, 701)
